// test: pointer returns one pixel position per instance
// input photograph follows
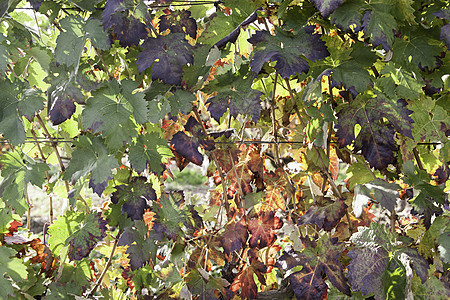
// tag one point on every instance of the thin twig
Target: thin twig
(55, 148)
(417, 157)
(47, 175)
(105, 66)
(108, 264)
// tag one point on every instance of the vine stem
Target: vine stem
(233, 166)
(104, 64)
(417, 157)
(291, 189)
(224, 201)
(53, 143)
(324, 166)
(108, 264)
(47, 175)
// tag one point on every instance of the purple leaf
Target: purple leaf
(285, 49)
(376, 139)
(187, 147)
(325, 217)
(63, 103)
(99, 187)
(179, 21)
(167, 54)
(134, 198)
(326, 7)
(128, 30)
(445, 35)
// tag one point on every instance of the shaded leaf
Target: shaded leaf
(315, 260)
(91, 157)
(134, 198)
(379, 26)
(375, 139)
(235, 93)
(268, 48)
(326, 7)
(348, 16)
(179, 21)
(127, 29)
(17, 101)
(325, 217)
(140, 249)
(149, 150)
(235, 237)
(63, 103)
(166, 55)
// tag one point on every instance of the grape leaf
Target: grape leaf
(416, 48)
(379, 25)
(262, 229)
(17, 101)
(348, 64)
(326, 7)
(170, 217)
(235, 237)
(383, 192)
(233, 35)
(150, 150)
(428, 119)
(245, 281)
(181, 101)
(81, 242)
(109, 109)
(315, 259)
(4, 58)
(348, 16)
(187, 147)
(13, 268)
(402, 82)
(166, 55)
(112, 7)
(127, 29)
(63, 103)
(325, 217)
(178, 21)
(70, 43)
(140, 249)
(376, 250)
(235, 93)
(445, 35)
(376, 139)
(431, 197)
(80, 231)
(91, 156)
(286, 49)
(134, 198)
(17, 172)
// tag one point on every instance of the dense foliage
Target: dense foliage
(307, 117)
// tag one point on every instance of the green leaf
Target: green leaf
(385, 193)
(17, 101)
(109, 112)
(379, 26)
(417, 47)
(150, 150)
(402, 82)
(181, 101)
(4, 58)
(429, 119)
(91, 156)
(17, 173)
(70, 43)
(79, 231)
(13, 268)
